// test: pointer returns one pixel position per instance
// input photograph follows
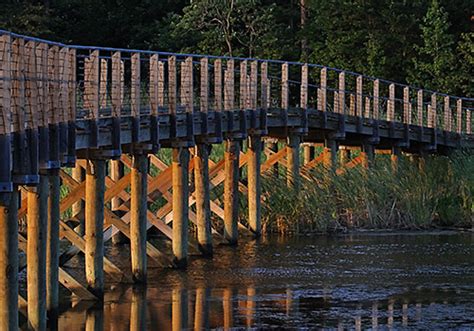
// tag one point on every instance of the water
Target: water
(354, 281)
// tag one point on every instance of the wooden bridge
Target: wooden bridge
(89, 108)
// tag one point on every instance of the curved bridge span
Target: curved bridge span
(90, 109)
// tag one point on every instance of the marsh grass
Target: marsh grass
(438, 195)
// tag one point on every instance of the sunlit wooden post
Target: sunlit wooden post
(95, 188)
(231, 164)
(391, 103)
(459, 116)
(201, 173)
(8, 201)
(116, 166)
(360, 97)
(254, 159)
(375, 114)
(323, 90)
(341, 94)
(419, 97)
(180, 165)
(432, 111)
(293, 140)
(138, 187)
(406, 106)
(307, 148)
(447, 114)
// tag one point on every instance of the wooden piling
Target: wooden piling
(95, 186)
(231, 190)
(37, 220)
(138, 218)
(293, 161)
(180, 176)
(254, 187)
(52, 248)
(9, 260)
(367, 154)
(344, 155)
(203, 209)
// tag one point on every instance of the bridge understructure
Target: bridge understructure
(81, 129)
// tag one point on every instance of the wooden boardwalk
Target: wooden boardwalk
(106, 113)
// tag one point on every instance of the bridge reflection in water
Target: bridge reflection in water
(203, 308)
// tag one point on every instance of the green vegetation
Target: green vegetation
(439, 196)
(424, 42)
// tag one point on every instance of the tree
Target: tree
(435, 62)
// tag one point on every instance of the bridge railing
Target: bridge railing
(45, 87)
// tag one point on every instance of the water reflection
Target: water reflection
(204, 308)
(264, 292)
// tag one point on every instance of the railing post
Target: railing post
(447, 114)
(360, 97)
(342, 93)
(391, 103)
(323, 94)
(406, 105)
(375, 114)
(419, 97)
(432, 113)
(459, 116)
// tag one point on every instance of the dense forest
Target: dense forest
(427, 43)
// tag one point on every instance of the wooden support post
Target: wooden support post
(36, 254)
(180, 176)
(394, 158)
(138, 217)
(254, 189)
(330, 154)
(203, 209)
(344, 156)
(94, 234)
(367, 154)
(9, 260)
(293, 161)
(79, 175)
(52, 249)
(231, 190)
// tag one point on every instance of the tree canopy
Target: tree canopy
(428, 43)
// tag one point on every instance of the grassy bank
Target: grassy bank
(441, 195)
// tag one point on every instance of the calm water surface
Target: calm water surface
(354, 281)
